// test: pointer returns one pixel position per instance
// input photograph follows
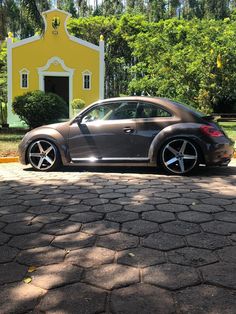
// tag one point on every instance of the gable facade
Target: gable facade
(55, 61)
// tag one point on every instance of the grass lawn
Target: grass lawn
(230, 129)
(9, 141)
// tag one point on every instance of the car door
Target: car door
(151, 119)
(106, 131)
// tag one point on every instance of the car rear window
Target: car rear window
(190, 108)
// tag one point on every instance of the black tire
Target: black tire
(43, 155)
(179, 156)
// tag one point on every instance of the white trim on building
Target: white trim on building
(73, 38)
(87, 80)
(43, 71)
(24, 78)
(10, 115)
(26, 41)
(101, 69)
(83, 43)
(68, 72)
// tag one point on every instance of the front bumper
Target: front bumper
(22, 152)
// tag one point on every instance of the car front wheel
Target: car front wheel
(179, 156)
(43, 155)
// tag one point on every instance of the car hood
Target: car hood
(56, 126)
(61, 128)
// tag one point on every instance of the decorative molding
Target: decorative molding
(9, 78)
(24, 71)
(56, 10)
(26, 41)
(49, 73)
(101, 69)
(73, 38)
(42, 72)
(87, 73)
(55, 60)
(83, 42)
(68, 15)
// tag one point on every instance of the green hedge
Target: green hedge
(38, 108)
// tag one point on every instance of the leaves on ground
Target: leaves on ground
(27, 280)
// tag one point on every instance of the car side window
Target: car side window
(124, 110)
(96, 114)
(112, 111)
(147, 110)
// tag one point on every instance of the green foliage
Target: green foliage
(118, 54)
(78, 104)
(172, 58)
(230, 130)
(67, 5)
(184, 50)
(190, 61)
(38, 108)
(3, 83)
(3, 113)
(23, 17)
(3, 72)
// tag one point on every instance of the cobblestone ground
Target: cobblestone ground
(117, 242)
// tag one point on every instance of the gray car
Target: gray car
(130, 131)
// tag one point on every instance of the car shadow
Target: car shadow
(201, 171)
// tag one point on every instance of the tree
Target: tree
(2, 20)
(3, 72)
(9, 18)
(155, 10)
(110, 7)
(218, 9)
(29, 16)
(69, 6)
(191, 62)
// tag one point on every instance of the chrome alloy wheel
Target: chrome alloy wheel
(42, 155)
(179, 156)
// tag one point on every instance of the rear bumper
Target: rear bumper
(219, 154)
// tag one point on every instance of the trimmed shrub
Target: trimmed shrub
(38, 108)
(77, 104)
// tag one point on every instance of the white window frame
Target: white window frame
(89, 74)
(24, 72)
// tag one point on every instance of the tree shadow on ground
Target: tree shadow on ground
(93, 234)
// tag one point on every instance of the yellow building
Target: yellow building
(55, 62)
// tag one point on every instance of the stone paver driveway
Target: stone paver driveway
(117, 242)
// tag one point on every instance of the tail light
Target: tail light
(211, 131)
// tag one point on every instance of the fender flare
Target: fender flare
(180, 130)
(52, 135)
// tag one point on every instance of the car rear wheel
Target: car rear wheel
(179, 156)
(44, 156)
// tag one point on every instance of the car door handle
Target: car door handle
(128, 130)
